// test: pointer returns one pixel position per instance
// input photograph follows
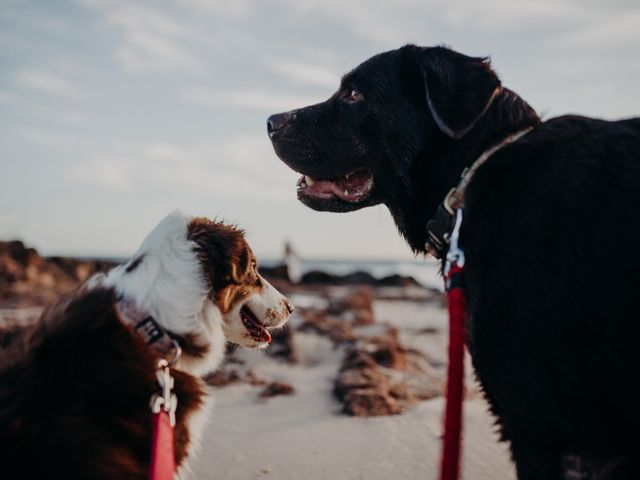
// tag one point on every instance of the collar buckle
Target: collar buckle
(440, 226)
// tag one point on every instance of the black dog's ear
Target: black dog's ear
(459, 89)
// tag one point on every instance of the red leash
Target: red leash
(162, 460)
(451, 442)
(163, 406)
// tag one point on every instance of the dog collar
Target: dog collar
(146, 326)
(440, 225)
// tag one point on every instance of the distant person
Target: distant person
(292, 262)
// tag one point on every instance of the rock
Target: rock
(359, 278)
(27, 279)
(356, 358)
(379, 376)
(336, 329)
(80, 269)
(385, 350)
(222, 378)
(277, 388)
(398, 281)
(358, 305)
(282, 345)
(277, 272)
(371, 402)
(229, 374)
(359, 378)
(316, 277)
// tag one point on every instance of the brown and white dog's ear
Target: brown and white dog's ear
(459, 89)
(222, 250)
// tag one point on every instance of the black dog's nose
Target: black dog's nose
(275, 122)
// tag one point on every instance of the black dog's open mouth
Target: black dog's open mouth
(255, 328)
(353, 187)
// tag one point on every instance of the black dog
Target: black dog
(551, 234)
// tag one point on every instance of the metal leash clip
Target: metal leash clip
(455, 256)
(167, 401)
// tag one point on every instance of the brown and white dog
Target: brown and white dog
(75, 387)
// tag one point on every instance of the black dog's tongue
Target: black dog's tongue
(350, 188)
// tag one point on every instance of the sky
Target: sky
(117, 112)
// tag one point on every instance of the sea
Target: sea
(426, 272)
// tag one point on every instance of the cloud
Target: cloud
(250, 98)
(617, 29)
(144, 51)
(234, 167)
(8, 224)
(7, 97)
(306, 73)
(45, 82)
(137, 18)
(236, 7)
(151, 41)
(44, 138)
(391, 24)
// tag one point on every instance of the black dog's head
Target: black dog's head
(361, 146)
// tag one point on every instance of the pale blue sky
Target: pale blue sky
(115, 112)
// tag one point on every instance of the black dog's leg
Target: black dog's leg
(538, 465)
(588, 467)
(532, 464)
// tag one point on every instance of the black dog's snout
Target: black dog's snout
(276, 121)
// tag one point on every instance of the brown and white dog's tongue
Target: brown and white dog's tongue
(255, 328)
(350, 188)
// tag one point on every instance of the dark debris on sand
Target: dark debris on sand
(274, 389)
(379, 376)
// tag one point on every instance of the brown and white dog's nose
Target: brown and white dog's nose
(289, 306)
(275, 122)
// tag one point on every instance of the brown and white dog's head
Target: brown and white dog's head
(199, 280)
(250, 306)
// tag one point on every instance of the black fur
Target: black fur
(551, 234)
(74, 396)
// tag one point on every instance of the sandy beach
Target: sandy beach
(306, 435)
(352, 389)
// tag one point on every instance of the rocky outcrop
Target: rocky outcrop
(357, 306)
(316, 277)
(27, 279)
(274, 389)
(379, 376)
(282, 345)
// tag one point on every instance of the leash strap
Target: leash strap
(163, 407)
(452, 439)
(162, 459)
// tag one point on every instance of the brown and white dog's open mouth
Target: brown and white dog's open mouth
(256, 329)
(251, 318)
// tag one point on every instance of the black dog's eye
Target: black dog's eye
(352, 96)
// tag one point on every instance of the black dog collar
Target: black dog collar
(148, 329)
(439, 227)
